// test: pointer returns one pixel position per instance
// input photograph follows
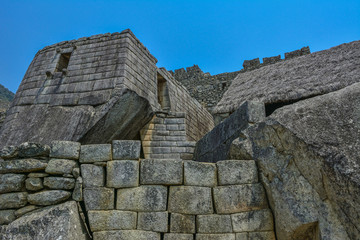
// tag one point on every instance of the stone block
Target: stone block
(234, 172)
(122, 173)
(260, 220)
(34, 184)
(9, 152)
(77, 194)
(181, 223)
(22, 165)
(200, 174)
(65, 149)
(126, 235)
(99, 198)
(190, 200)
(21, 211)
(242, 236)
(29, 149)
(76, 172)
(92, 175)
(60, 166)
(270, 235)
(126, 150)
(226, 236)
(142, 199)
(59, 183)
(239, 198)
(178, 236)
(214, 223)
(37, 175)
(7, 216)
(161, 171)
(46, 198)
(95, 153)
(11, 182)
(13, 200)
(111, 220)
(153, 221)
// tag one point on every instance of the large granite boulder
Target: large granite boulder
(56, 222)
(308, 155)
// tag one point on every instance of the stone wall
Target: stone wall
(208, 90)
(127, 198)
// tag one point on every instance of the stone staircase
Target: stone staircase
(164, 137)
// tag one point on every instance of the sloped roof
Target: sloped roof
(294, 79)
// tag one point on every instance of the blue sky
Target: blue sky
(216, 35)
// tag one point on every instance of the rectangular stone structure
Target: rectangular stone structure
(153, 221)
(214, 223)
(111, 220)
(60, 166)
(190, 200)
(122, 173)
(259, 220)
(93, 175)
(181, 223)
(178, 236)
(161, 171)
(65, 149)
(126, 150)
(99, 198)
(234, 172)
(95, 153)
(13, 200)
(126, 235)
(224, 236)
(11, 182)
(142, 199)
(239, 198)
(200, 174)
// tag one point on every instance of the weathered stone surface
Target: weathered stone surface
(93, 176)
(142, 199)
(190, 200)
(6, 216)
(13, 200)
(200, 174)
(260, 220)
(161, 171)
(56, 222)
(122, 174)
(37, 175)
(22, 165)
(234, 172)
(239, 198)
(126, 235)
(25, 210)
(111, 220)
(95, 153)
(242, 236)
(59, 183)
(153, 221)
(215, 145)
(34, 184)
(125, 149)
(65, 149)
(99, 198)
(241, 149)
(214, 224)
(9, 152)
(11, 182)
(30, 149)
(178, 236)
(261, 236)
(60, 166)
(77, 194)
(317, 73)
(224, 236)
(180, 223)
(76, 172)
(50, 197)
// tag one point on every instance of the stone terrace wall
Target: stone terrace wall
(128, 198)
(208, 90)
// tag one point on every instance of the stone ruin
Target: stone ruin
(124, 152)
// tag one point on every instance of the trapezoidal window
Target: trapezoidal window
(163, 93)
(63, 62)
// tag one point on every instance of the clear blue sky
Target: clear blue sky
(216, 35)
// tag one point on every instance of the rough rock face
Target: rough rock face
(309, 162)
(298, 78)
(56, 222)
